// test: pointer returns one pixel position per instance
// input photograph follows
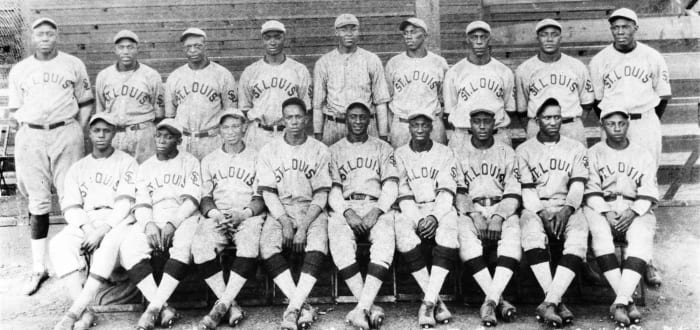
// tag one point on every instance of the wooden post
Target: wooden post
(429, 11)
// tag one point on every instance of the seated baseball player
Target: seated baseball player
(168, 189)
(620, 194)
(232, 215)
(490, 196)
(553, 174)
(294, 180)
(99, 193)
(365, 185)
(428, 177)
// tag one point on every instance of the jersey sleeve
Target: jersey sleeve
(207, 179)
(320, 82)
(229, 98)
(449, 94)
(388, 169)
(264, 172)
(597, 77)
(169, 97)
(593, 193)
(336, 179)
(380, 90)
(511, 186)
(82, 89)
(579, 171)
(193, 183)
(661, 79)
(509, 91)
(305, 86)
(245, 94)
(158, 95)
(389, 73)
(321, 180)
(143, 188)
(405, 191)
(585, 93)
(99, 87)
(648, 188)
(521, 90)
(127, 182)
(449, 175)
(16, 98)
(530, 196)
(72, 196)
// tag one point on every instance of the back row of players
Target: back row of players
(479, 92)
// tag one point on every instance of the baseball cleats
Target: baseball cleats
(168, 316)
(426, 315)
(442, 314)
(289, 319)
(506, 311)
(566, 315)
(652, 276)
(34, 282)
(376, 317)
(66, 322)
(488, 313)
(357, 318)
(618, 313)
(633, 313)
(307, 316)
(235, 314)
(87, 320)
(547, 313)
(211, 320)
(148, 319)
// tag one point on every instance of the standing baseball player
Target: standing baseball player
(294, 180)
(478, 81)
(553, 173)
(265, 84)
(365, 185)
(232, 214)
(620, 195)
(168, 189)
(197, 93)
(133, 93)
(552, 74)
(490, 181)
(50, 92)
(345, 75)
(427, 188)
(415, 83)
(99, 193)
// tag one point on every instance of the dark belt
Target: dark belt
(361, 197)
(612, 198)
(469, 130)
(199, 134)
(101, 207)
(271, 128)
(487, 201)
(338, 119)
(568, 120)
(635, 116)
(134, 127)
(49, 126)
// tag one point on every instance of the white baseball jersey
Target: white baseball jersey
(490, 172)
(362, 168)
(133, 96)
(165, 184)
(263, 87)
(229, 179)
(47, 92)
(550, 168)
(424, 174)
(196, 97)
(415, 84)
(633, 81)
(94, 183)
(468, 86)
(566, 80)
(294, 173)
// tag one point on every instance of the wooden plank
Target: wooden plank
(147, 4)
(506, 2)
(552, 6)
(429, 11)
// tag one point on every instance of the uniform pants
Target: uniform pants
(42, 158)
(140, 143)
(342, 241)
(535, 237)
(400, 134)
(201, 146)
(209, 242)
(446, 234)
(640, 234)
(256, 137)
(316, 234)
(460, 136)
(470, 245)
(645, 132)
(136, 248)
(334, 131)
(573, 130)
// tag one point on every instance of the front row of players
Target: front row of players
(274, 200)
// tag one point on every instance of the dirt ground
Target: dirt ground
(673, 306)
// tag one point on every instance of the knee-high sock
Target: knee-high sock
(437, 278)
(543, 274)
(306, 283)
(167, 286)
(500, 279)
(611, 270)
(234, 286)
(286, 283)
(562, 279)
(628, 283)
(216, 283)
(369, 292)
(148, 287)
(38, 255)
(356, 285)
(74, 284)
(86, 296)
(422, 277)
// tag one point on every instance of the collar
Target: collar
(539, 138)
(430, 146)
(119, 69)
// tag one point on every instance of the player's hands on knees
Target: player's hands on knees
(93, 240)
(166, 236)
(427, 227)
(287, 231)
(355, 222)
(612, 217)
(153, 235)
(561, 218)
(625, 220)
(299, 243)
(371, 218)
(547, 218)
(494, 227)
(480, 224)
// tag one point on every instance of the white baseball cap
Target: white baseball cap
(171, 125)
(420, 114)
(624, 13)
(272, 25)
(346, 19)
(236, 113)
(478, 25)
(126, 34)
(43, 20)
(545, 23)
(193, 31)
(415, 21)
(104, 116)
(479, 110)
(607, 112)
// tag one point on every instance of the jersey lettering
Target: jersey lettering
(238, 173)
(484, 83)
(423, 173)
(491, 170)
(52, 78)
(296, 165)
(358, 163)
(417, 76)
(196, 87)
(140, 96)
(554, 79)
(611, 78)
(554, 165)
(633, 173)
(287, 86)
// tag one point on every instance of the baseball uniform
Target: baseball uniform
(341, 79)
(262, 89)
(196, 98)
(94, 185)
(634, 81)
(48, 95)
(469, 86)
(135, 99)
(567, 80)
(415, 86)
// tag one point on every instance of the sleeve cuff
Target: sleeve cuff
(266, 188)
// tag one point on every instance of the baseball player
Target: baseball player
(415, 83)
(344, 75)
(197, 93)
(232, 214)
(478, 81)
(50, 92)
(631, 75)
(427, 187)
(365, 185)
(133, 92)
(265, 84)
(168, 189)
(620, 195)
(294, 180)
(553, 74)
(490, 181)
(99, 193)
(553, 173)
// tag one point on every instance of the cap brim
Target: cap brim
(44, 21)
(612, 18)
(173, 130)
(606, 115)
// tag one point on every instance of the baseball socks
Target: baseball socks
(173, 272)
(353, 278)
(480, 273)
(505, 268)
(563, 277)
(39, 230)
(539, 263)
(611, 270)
(632, 271)
(92, 285)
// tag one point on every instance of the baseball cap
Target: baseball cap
(126, 34)
(607, 113)
(478, 25)
(547, 103)
(481, 110)
(193, 31)
(171, 125)
(104, 116)
(43, 20)
(624, 13)
(419, 114)
(232, 113)
(295, 101)
(272, 25)
(545, 23)
(346, 19)
(415, 21)
(359, 104)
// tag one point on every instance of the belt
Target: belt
(49, 126)
(568, 120)
(204, 133)
(361, 197)
(487, 201)
(134, 127)
(338, 119)
(635, 116)
(101, 207)
(614, 197)
(271, 128)
(404, 120)
(469, 130)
